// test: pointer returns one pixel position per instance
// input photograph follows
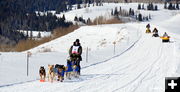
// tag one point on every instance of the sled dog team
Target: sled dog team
(165, 37)
(72, 69)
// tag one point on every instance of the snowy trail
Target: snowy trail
(143, 67)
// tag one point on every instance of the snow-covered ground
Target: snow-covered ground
(140, 63)
(35, 34)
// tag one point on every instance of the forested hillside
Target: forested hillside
(22, 15)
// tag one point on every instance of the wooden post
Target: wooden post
(87, 54)
(114, 47)
(28, 55)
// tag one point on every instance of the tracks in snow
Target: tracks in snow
(143, 67)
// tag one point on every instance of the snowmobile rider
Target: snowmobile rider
(155, 32)
(165, 35)
(148, 26)
(75, 53)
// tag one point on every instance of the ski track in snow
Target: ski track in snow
(129, 71)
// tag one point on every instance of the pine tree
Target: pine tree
(165, 5)
(156, 7)
(39, 34)
(120, 9)
(75, 18)
(143, 6)
(149, 16)
(140, 17)
(130, 11)
(139, 6)
(89, 21)
(126, 1)
(79, 6)
(170, 7)
(63, 17)
(173, 7)
(177, 6)
(115, 12)
(112, 13)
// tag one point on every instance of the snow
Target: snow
(140, 63)
(93, 37)
(35, 33)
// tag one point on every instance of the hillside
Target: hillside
(137, 62)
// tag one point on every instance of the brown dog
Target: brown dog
(42, 73)
(51, 73)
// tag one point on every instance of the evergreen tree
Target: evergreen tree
(126, 1)
(165, 5)
(177, 6)
(170, 7)
(112, 13)
(149, 16)
(173, 7)
(120, 9)
(140, 17)
(156, 7)
(63, 17)
(78, 6)
(89, 21)
(75, 18)
(143, 6)
(139, 6)
(39, 34)
(130, 11)
(115, 12)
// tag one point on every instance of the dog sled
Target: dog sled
(73, 67)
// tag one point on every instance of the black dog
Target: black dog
(42, 73)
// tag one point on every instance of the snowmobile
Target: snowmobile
(155, 35)
(165, 39)
(148, 30)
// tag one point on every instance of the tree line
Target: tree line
(25, 15)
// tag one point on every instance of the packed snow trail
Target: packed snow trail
(143, 67)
